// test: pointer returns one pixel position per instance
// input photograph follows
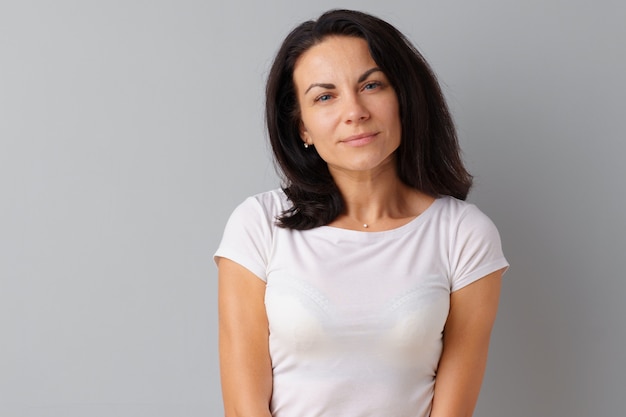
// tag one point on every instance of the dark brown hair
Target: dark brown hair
(428, 157)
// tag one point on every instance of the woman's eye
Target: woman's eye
(371, 86)
(323, 97)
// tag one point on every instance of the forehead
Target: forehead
(333, 56)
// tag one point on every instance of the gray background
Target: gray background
(129, 130)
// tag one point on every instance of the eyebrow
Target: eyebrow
(362, 78)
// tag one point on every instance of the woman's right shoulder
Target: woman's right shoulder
(273, 200)
(250, 231)
(264, 207)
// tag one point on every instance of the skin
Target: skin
(245, 366)
(465, 346)
(350, 114)
(343, 96)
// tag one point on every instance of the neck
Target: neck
(377, 200)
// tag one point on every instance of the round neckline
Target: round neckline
(366, 235)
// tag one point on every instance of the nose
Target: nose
(355, 109)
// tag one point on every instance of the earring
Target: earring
(306, 145)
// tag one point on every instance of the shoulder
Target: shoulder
(475, 248)
(266, 205)
(456, 208)
(259, 210)
(250, 230)
(465, 223)
(459, 212)
(273, 201)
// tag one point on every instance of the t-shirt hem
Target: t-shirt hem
(480, 273)
(237, 257)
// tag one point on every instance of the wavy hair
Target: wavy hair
(428, 158)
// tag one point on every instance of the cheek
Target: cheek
(394, 119)
(318, 125)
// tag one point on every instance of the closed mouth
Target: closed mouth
(361, 137)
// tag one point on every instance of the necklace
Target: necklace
(353, 220)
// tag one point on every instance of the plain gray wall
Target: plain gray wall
(129, 130)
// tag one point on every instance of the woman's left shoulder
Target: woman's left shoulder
(476, 247)
(457, 208)
(463, 214)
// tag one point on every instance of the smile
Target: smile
(360, 139)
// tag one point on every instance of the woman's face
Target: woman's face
(349, 110)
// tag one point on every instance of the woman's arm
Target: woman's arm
(465, 345)
(245, 366)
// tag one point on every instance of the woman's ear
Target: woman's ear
(304, 134)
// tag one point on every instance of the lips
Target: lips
(360, 139)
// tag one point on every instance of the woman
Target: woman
(366, 286)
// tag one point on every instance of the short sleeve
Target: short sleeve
(247, 238)
(476, 248)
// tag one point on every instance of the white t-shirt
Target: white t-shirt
(355, 317)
